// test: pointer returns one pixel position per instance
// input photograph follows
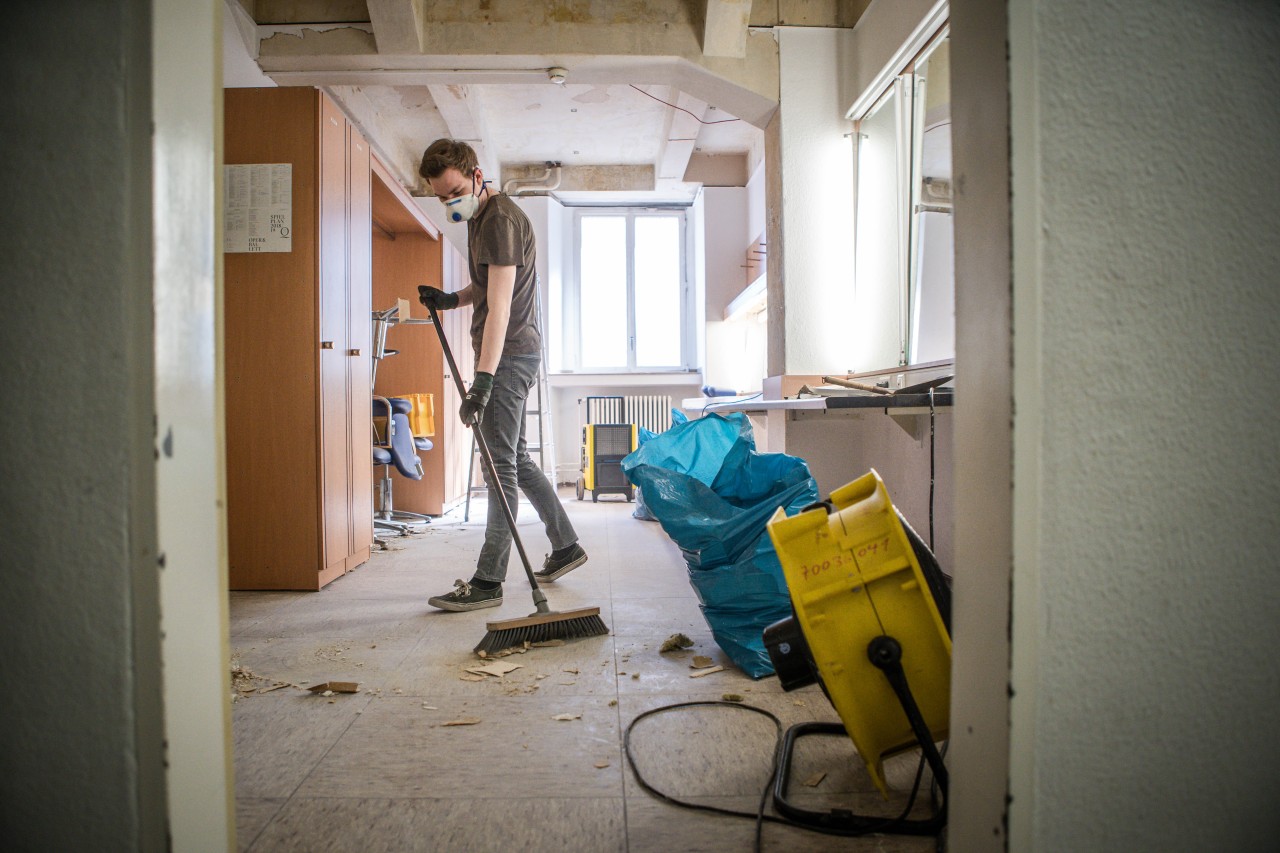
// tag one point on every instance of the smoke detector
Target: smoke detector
(557, 75)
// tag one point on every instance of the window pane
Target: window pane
(878, 255)
(933, 335)
(603, 298)
(658, 320)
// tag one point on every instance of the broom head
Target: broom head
(541, 627)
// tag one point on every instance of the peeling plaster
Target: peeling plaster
(311, 42)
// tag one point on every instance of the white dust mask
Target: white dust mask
(463, 207)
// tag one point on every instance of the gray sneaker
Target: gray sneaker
(467, 597)
(556, 566)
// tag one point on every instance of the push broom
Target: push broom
(544, 623)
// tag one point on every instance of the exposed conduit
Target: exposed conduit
(549, 181)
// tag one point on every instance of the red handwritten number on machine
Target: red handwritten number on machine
(809, 571)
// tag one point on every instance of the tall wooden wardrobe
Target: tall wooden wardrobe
(297, 340)
(407, 252)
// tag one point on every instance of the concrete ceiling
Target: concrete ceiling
(673, 94)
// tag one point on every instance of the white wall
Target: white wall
(756, 203)
(82, 739)
(735, 352)
(979, 755)
(188, 301)
(817, 202)
(1147, 465)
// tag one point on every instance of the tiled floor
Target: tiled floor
(379, 770)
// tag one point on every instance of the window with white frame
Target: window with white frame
(631, 283)
(904, 256)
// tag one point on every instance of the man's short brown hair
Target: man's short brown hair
(447, 154)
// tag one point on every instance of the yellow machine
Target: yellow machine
(603, 447)
(871, 625)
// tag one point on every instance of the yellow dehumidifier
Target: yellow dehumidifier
(871, 625)
(603, 447)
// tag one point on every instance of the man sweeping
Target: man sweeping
(508, 342)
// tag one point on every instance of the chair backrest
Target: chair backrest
(399, 437)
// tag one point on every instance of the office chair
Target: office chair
(400, 448)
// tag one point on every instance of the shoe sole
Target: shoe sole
(455, 607)
(550, 577)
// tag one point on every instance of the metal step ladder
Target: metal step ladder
(539, 436)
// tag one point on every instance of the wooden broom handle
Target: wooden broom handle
(861, 386)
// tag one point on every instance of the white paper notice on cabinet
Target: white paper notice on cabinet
(258, 208)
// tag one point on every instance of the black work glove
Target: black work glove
(477, 398)
(433, 297)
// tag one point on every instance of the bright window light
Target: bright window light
(632, 300)
(603, 271)
(657, 290)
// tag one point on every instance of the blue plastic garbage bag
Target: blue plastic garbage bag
(713, 493)
(642, 435)
(641, 511)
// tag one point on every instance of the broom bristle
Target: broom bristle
(541, 627)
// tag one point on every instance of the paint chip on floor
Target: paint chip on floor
(703, 672)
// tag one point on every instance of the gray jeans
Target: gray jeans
(503, 429)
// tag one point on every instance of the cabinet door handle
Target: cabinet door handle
(353, 352)
(326, 345)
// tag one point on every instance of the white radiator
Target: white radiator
(647, 411)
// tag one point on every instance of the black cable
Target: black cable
(681, 109)
(759, 816)
(940, 845)
(727, 402)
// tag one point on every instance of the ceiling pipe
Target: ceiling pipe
(549, 181)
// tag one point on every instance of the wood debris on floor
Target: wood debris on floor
(245, 682)
(701, 672)
(520, 649)
(497, 669)
(330, 687)
(464, 721)
(816, 779)
(332, 653)
(565, 718)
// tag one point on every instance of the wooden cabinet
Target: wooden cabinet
(299, 474)
(407, 252)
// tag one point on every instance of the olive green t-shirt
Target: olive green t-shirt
(502, 235)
